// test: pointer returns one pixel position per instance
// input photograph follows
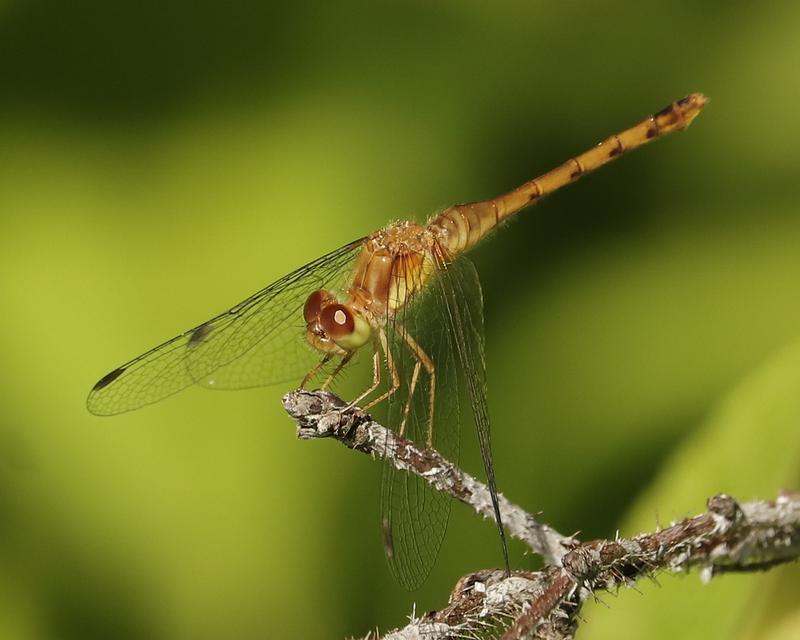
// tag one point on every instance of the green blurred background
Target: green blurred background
(159, 161)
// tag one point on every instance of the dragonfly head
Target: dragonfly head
(333, 327)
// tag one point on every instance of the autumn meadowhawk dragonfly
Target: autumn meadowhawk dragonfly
(406, 294)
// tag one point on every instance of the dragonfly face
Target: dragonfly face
(332, 327)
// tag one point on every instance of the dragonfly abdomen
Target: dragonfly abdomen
(462, 226)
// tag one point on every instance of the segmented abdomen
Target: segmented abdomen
(462, 226)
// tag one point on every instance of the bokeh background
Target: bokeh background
(159, 161)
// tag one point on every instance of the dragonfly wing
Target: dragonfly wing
(266, 344)
(257, 342)
(414, 515)
(460, 289)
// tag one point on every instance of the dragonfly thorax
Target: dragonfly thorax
(393, 266)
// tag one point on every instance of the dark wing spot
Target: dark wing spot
(684, 101)
(198, 335)
(108, 379)
(578, 169)
(652, 132)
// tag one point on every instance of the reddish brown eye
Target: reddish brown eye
(337, 321)
(313, 305)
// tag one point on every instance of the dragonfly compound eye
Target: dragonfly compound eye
(346, 328)
(314, 305)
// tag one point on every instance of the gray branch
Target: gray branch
(320, 414)
(729, 537)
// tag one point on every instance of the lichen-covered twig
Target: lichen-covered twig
(729, 537)
(321, 414)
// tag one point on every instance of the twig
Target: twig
(729, 537)
(320, 414)
(546, 604)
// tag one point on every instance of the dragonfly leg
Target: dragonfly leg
(384, 343)
(345, 359)
(376, 379)
(411, 388)
(310, 375)
(422, 360)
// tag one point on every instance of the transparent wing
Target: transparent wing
(257, 342)
(460, 290)
(413, 515)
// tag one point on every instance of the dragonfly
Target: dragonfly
(405, 294)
